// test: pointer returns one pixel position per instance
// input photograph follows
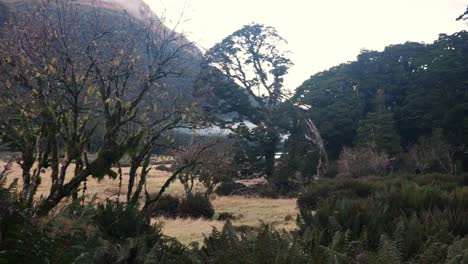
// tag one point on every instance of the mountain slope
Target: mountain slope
(131, 7)
(189, 58)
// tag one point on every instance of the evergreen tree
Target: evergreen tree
(378, 129)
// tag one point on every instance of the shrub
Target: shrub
(431, 154)
(209, 161)
(167, 206)
(362, 161)
(195, 206)
(263, 245)
(333, 188)
(229, 188)
(118, 221)
(217, 166)
(268, 191)
(226, 216)
(445, 182)
(391, 220)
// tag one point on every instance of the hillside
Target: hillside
(120, 9)
(131, 7)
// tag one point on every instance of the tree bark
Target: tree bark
(313, 136)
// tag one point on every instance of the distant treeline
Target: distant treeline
(395, 97)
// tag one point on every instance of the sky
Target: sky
(320, 33)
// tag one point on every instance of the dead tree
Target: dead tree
(312, 136)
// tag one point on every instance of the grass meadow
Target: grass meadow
(248, 211)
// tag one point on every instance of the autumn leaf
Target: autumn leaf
(90, 90)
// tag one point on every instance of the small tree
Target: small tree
(211, 162)
(218, 166)
(193, 155)
(362, 161)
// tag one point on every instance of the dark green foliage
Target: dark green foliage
(300, 163)
(195, 206)
(226, 216)
(111, 233)
(267, 191)
(253, 58)
(393, 219)
(230, 188)
(263, 246)
(325, 189)
(55, 240)
(118, 221)
(378, 129)
(422, 85)
(397, 219)
(167, 206)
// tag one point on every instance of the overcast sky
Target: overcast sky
(320, 33)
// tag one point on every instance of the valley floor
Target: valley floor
(248, 211)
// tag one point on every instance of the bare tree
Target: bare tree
(218, 166)
(432, 153)
(68, 70)
(187, 161)
(314, 138)
(213, 165)
(191, 154)
(362, 161)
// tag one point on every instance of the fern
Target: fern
(388, 250)
(458, 252)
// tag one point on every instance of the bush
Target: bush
(119, 222)
(401, 219)
(432, 154)
(264, 245)
(267, 191)
(195, 206)
(210, 161)
(226, 216)
(445, 182)
(362, 161)
(325, 189)
(167, 206)
(229, 188)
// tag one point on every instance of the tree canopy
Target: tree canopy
(254, 58)
(420, 86)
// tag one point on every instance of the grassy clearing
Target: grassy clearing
(249, 211)
(280, 213)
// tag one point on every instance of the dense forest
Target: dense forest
(393, 98)
(105, 110)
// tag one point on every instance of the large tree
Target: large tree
(255, 58)
(425, 87)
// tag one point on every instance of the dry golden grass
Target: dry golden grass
(106, 188)
(249, 211)
(280, 213)
(189, 230)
